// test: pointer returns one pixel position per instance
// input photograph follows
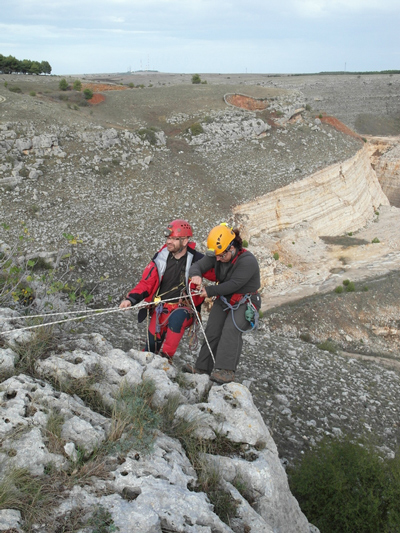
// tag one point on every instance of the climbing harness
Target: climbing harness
(251, 314)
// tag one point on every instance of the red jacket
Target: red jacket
(154, 272)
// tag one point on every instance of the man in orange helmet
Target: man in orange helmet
(166, 277)
(236, 304)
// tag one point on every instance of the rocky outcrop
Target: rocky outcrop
(386, 161)
(147, 491)
(336, 199)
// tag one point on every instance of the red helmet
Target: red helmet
(179, 228)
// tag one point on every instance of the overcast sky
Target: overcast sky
(204, 36)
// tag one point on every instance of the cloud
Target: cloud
(202, 35)
(328, 8)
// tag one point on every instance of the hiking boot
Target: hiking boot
(222, 376)
(190, 369)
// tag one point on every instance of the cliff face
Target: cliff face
(339, 198)
(386, 161)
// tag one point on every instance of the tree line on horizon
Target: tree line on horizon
(12, 65)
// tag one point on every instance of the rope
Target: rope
(200, 323)
(91, 313)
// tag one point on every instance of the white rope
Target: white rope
(93, 312)
(24, 317)
(200, 323)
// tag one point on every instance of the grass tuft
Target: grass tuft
(39, 347)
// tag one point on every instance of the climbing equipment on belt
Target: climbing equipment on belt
(251, 314)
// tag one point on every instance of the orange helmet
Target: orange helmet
(179, 228)
(219, 239)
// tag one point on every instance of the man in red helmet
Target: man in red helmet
(166, 277)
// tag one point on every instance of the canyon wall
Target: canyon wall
(339, 198)
(385, 159)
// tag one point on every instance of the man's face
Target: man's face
(174, 244)
(226, 256)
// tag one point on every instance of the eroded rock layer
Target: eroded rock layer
(387, 169)
(336, 199)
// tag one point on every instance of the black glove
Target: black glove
(132, 300)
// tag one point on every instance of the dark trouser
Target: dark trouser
(224, 338)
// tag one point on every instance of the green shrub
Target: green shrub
(346, 282)
(305, 336)
(88, 94)
(276, 256)
(32, 93)
(63, 85)
(328, 346)
(15, 90)
(375, 240)
(245, 243)
(344, 487)
(148, 134)
(77, 85)
(339, 289)
(105, 170)
(196, 128)
(196, 78)
(350, 287)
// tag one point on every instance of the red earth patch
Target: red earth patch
(97, 99)
(246, 102)
(333, 121)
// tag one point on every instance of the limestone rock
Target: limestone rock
(342, 196)
(147, 491)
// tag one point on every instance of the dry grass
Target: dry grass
(37, 348)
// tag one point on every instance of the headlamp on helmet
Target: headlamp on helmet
(178, 228)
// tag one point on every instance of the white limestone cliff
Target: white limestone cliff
(336, 199)
(385, 158)
(149, 491)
